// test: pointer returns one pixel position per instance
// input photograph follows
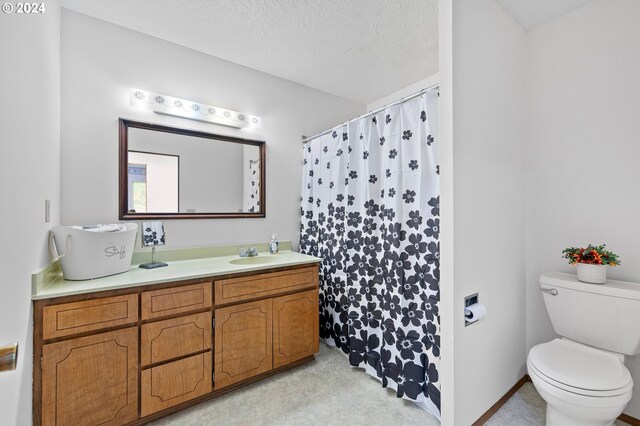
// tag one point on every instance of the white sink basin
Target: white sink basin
(256, 260)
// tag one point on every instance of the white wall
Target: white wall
(101, 61)
(488, 180)
(583, 170)
(29, 174)
(446, 134)
(405, 91)
(210, 171)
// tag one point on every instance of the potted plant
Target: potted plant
(591, 262)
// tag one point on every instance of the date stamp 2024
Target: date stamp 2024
(23, 8)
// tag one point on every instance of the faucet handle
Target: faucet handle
(248, 252)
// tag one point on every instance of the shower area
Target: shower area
(370, 210)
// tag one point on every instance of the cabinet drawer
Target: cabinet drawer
(174, 383)
(173, 338)
(90, 315)
(263, 285)
(175, 300)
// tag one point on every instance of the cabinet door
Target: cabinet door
(295, 327)
(243, 342)
(91, 380)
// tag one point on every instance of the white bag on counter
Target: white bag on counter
(86, 254)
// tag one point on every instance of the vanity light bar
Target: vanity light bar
(169, 105)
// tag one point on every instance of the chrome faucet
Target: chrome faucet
(248, 252)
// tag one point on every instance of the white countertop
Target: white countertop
(176, 271)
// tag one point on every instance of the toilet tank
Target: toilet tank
(606, 316)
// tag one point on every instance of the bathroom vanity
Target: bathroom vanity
(145, 344)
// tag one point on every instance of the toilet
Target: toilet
(582, 376)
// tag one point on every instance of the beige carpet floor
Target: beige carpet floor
(525, 408)
(328, 391)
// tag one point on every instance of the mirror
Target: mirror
(172, 173)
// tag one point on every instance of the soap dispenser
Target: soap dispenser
(273, 244)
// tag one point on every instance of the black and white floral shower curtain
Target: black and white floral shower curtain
(370, 209)
(253, 192)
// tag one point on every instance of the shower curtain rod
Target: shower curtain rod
(375, 111)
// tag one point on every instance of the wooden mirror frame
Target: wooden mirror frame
(125, 125)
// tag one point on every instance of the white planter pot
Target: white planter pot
(594, 274)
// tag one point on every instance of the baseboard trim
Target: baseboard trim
(629, 419)
(495, 407)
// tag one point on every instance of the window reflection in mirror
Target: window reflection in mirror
(184, 173)
(153, 182)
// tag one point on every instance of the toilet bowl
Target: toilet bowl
(582, 376)
(582, 386)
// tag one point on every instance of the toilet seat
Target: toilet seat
(579, 369)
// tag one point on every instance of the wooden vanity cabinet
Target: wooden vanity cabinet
(91, 380)
(181, 345)
(295, 327)
(68, 319)
(244, 339)
(255, 337)
(175, 300)
(176, 382)
(174, 338)
(129, 356)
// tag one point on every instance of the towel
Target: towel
(152, 234)
(103, 227)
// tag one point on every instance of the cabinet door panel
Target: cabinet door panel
(173, 338)
(91, 380)
(295, 327)
(176, 382)
(243, 342)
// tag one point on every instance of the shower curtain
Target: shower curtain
(370, 209)
(253, 189)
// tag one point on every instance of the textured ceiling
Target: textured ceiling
(533, 13)
(357, 49)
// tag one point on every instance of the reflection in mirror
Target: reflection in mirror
(153, 182)
(175, 173)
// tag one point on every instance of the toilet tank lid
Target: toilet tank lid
(578, 366)
(622, 289)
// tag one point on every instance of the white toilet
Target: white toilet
(582, 375)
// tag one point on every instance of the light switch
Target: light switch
(47, 211)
